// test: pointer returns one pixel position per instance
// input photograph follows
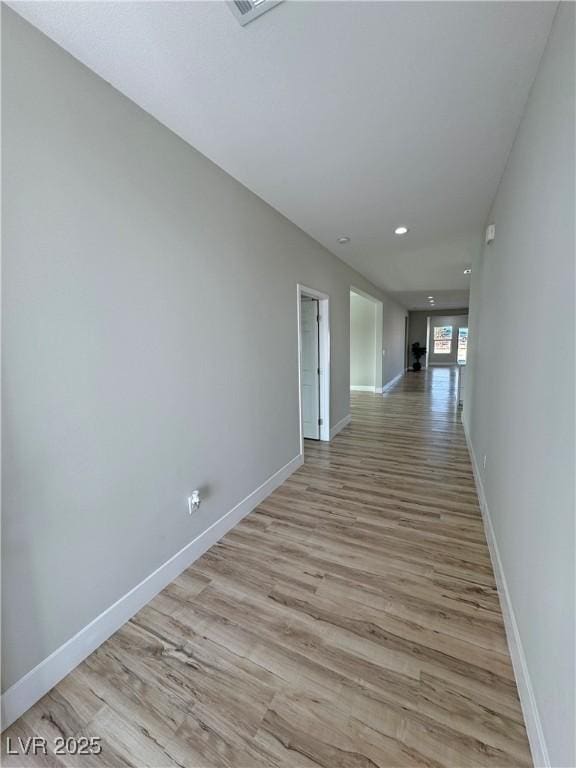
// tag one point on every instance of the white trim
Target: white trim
(390, 384)
(378, 390)
(365, 295)
(339, 426)
(324, 333)
(521, 672)
(36, 683)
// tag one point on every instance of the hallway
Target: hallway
(351, 620)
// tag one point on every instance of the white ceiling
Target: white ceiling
(443, 299)
(348, 117)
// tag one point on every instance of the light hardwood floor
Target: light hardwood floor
(351, 620)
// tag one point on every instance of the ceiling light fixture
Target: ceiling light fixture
(468, 271)
(401, 231)
(430, 298)
(343, 240)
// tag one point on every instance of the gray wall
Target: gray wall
(417, 325)
(149, 343)
(362, 342)
(520, 401)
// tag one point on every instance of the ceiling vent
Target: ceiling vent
(248, 10)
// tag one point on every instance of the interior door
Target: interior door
(310, 371)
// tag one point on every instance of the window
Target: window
(462, 345)
(442, 339)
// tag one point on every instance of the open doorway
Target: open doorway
(406, 347)
(365, 342)
(310, 366)
(314, 364)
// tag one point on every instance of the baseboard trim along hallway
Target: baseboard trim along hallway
(378, 390)
(523, 681)
(339, 426)
(352, 618)
(49, 672)
(390, 384)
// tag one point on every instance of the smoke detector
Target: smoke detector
(248, 10)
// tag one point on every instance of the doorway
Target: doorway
(314, 364)
(406, 349)
(366, 327)
(310, 366)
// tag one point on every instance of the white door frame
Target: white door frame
(324, 357)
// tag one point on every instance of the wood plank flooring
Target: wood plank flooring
(350, 621)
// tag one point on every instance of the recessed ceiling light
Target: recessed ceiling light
(401, 231)
(430, 298)
(343, 240)
(468, 271)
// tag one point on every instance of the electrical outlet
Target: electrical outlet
(194, 502)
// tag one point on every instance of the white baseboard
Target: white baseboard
(525, 689)
(36, 683)
(377, 390)
(339, 426)
(393, 381)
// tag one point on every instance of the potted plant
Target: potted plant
(417, 353)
